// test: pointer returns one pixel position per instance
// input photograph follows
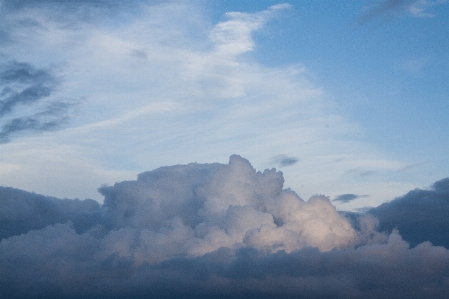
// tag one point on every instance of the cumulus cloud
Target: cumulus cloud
(225, 205)
(209, 230)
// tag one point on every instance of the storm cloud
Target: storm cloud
(214, 230)
(22, 211)
(420, 215)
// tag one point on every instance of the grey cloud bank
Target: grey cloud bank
(222, 231)
(420, 215)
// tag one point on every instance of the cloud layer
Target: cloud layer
(211, 230)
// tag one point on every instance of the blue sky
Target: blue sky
(348, 99)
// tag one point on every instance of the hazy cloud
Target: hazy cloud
(67, 4)
(215, 230)
(412, 166)
(360, 172)
(392, 8)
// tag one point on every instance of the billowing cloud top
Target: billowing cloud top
(213, 206)
(206, 230)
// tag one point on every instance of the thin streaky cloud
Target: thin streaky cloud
(412, 166)
(153, 108)
(360, 172)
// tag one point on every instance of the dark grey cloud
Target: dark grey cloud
(420, 215)
(284, 160)
(69, 269)
(22, 211)
(24, 86)
(215, 231)
(344, 198)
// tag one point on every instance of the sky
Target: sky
(227, 148)
(344, 98)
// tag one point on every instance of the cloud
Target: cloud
(25, 102)
(419, 8)
(420, 215)
(233, 37)
(284, 160)
(34, 85)
(22, 211)
(213, 230)
(226, 205)
(414, 66)
(392, 8)
(344, 198)
(360, 172)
